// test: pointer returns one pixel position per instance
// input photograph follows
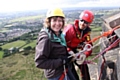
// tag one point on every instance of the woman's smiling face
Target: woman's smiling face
(56, 24)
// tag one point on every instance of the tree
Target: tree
(0, 49)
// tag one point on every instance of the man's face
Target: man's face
(83, 24)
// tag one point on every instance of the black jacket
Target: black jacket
(48, 55)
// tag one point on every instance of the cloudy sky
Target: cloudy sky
(21, 5)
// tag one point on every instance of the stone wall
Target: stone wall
(110, 70)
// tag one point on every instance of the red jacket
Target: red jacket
(75, 37)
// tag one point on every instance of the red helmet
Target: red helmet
(87, 16)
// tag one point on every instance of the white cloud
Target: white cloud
(100, 3)
(20, 5)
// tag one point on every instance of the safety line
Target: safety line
(102, 41)
(100, 53)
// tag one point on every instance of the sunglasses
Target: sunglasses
(84, 21)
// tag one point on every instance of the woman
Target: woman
(51, 52)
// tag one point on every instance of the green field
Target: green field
(27, 18)
(18, 43)
(32, 44)
(96, 29)
(1, 54)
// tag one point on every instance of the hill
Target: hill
(20, 67)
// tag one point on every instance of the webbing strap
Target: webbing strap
(77, 34)
(63, 75)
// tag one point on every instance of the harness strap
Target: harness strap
(63, 75)
(77, 34)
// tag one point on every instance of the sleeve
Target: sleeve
(43, 49)
(87, 39)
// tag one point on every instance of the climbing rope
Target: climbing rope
(102, 41)
(100, 53)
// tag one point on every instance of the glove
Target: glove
(72, 54)
(80, 58)
(66, 60)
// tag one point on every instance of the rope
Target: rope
(102, 67)
(65, 72)
(102, 41)
(113, 44)
(104, 34)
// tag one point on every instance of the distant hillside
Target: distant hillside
(90, 8)
(20, 67)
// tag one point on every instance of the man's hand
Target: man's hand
(73, 55)
(66, 60)
(80, 58)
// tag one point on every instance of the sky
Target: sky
(22, 5)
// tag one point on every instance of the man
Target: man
(76, 36)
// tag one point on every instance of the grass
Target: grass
(18, 43)
(1, 54)
(19, 75)
(32, 44)
(27, 18)
(20, 67)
